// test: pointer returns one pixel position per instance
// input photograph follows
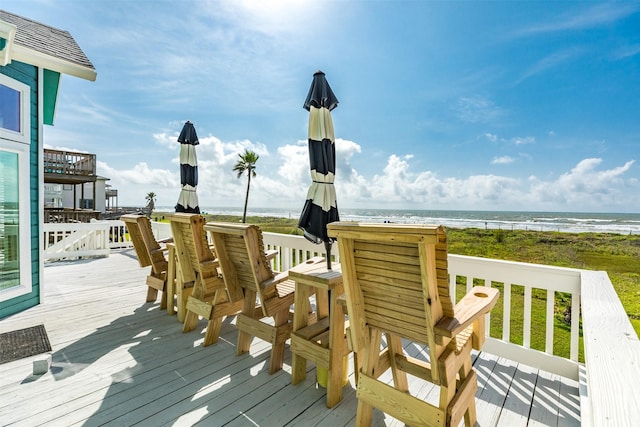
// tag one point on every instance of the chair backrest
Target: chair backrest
(242, 258)
(147, 248)
(191, 244)
(395, 279)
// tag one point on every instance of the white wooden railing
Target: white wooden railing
(96, 238)
(75, 240)
(528, 277)
(611, 347)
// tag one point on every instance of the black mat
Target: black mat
(23, 343)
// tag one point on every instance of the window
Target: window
(86, 203)
(9, 109)
(15, 253)
(14, 110)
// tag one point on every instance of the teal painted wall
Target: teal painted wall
(28, 74)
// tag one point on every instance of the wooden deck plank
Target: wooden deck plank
(517, 405)
(193, 391)
(569, 404)
(492, 392)
(543, 412)
(144, 388)
(120, 361)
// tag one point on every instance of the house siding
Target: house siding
(28, 74)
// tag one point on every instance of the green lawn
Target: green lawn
(618, 255)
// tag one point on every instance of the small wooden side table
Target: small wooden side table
(323, 342)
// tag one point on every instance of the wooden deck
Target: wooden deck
(120, 361)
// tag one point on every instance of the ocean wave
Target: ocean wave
(571, 222)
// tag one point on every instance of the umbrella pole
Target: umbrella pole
(327, 246)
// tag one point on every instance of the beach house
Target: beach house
(33, 56)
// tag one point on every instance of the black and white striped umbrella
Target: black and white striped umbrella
(321, 206)
(188, 200)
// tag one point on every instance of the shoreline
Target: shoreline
(618, 224)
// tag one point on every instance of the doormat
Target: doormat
(23, 343)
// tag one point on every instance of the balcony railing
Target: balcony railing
(69, 163)
(69, 215)
(609, 378)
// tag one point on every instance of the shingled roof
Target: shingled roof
(48, 42)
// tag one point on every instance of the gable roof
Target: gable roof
(42, 45)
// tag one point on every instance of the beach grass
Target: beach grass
(618, 255)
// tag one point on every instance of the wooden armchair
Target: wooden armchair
(149, 253)
(197, 264)
(245, 269)
(396, 282)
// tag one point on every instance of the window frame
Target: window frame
(25, 107)
(19, 143)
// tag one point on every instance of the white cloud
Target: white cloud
(283, 181)
(627, 51)
(585, 187)
(523, 140)
(549, 62)
(62, 148)
(503, 160)
(477, 109)
(491, 137)
(595, 16)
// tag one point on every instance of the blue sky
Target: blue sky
(443, 105)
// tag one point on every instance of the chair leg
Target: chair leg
(191, 318)
(163, 300)
(213, 331)
(281, 319)
(190, 321)
(364, 415)
(152, 294)
(358, 363)
(470, 416)
(249, 310)
(214, 325)
(183, 296)
(458, 396)
(399, 377)
(244, 342)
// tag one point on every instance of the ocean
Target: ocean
(570, 222)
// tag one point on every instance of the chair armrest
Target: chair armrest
(342, 301)
(161, 250)
(473, 306)
(280, 277)
(271, 254)
(166, 240)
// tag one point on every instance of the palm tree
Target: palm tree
(246, 163)
(151, 199)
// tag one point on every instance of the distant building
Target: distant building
(68, 196)
(33, 56)
(72, 189)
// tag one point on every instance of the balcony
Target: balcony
(68, 167)
(118, 360)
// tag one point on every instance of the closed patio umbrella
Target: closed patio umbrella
(321, 206)
(188, 200)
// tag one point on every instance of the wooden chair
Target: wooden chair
(197, 264)
(267, 294)
(396, 282)
(149, 253)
